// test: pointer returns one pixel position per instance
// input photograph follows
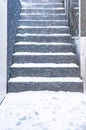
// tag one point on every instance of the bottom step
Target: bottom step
(19, 84)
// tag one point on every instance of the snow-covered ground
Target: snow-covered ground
(43, 110)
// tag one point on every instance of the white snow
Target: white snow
(41, 3)
(27, 34)
(58, 27)
(51, 65)
(43, 43)
(45, 79)
(43, 110)
(49, 53)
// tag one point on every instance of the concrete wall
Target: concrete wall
(83, 60)
(83, 17)
(13, 16)
(83, 41)
(3, 48)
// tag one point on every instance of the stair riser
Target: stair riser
(43, 11)
(44, 59)
(44, 48)
(66, 39)
(53, 86)
(43, 6)
(45, 72)
(43, 30)
(43, 17)
(43, 23)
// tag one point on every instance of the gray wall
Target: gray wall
(13, 16)
(83, 17)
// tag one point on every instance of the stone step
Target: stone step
(18, 84)
(43, 38)
(31, 57)
(60, 16)
(43, 5)
(43, 23)
(42, 29)
(43, 47)
(45, 70)
(42, 10)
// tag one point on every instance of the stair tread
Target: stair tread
(43, 27)
(50, 53)
(27, 34)
(45, 65)
(32, 3)
(45, 79)
(35, 43)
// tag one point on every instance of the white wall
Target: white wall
(83, 59)
(3, 48)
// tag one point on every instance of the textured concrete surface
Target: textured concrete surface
(83, 60)
(13, 16)
(83, 17)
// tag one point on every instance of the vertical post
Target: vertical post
(3, 48)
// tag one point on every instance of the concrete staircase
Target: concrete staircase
(44, 57)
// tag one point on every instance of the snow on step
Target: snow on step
(36, 53)
(25, 14)
(45, 79)
(26, 34)
(25, 3)
(44, 65)
(33, 17)
(43, 27)
(43, 43)
(44, 5)
(42, 9)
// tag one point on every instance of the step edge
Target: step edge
(44, 65)
(45, 79)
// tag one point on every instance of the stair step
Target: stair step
(45, 70)
(18, 84)
(43, 10)
(44, 38)
(42, 29)
(43, 47)
(61, 16)
(31, 57)
(42, 5)
(43, 23)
